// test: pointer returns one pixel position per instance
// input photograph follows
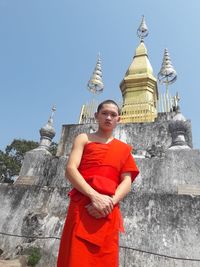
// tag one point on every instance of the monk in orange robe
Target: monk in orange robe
(101, 169)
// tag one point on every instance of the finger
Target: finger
(95, 214)
(109, 208)
(105, 212)
(111, 203)
(92, 210)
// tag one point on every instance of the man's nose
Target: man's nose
(108, 117)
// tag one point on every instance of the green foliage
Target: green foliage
(9, 167)
(11, 160)
(18, 148)
(34, 256)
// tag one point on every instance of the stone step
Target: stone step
(13, 263)
(26, 180)
(187, 189)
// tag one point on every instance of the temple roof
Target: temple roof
(140, 64)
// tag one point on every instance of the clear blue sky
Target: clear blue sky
(48, 50)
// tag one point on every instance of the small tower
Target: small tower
(47, 132)
(139, 86)
(34, 160)
(179, 128)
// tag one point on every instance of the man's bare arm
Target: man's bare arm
(123, 188)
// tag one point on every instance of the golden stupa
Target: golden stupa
(139, 86)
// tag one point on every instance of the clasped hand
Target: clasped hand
(100, 206)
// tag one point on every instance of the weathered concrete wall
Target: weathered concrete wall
(142, 136)
(165, 174)
(163, 224)
(158, 223)
(157, 174)
(32, 170)
(156, 218)
(32, 211)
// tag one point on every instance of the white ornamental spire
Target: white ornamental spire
(167, 76)
(95, 84)
(167, 72)
(142, 31)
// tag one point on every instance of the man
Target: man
(101, 169)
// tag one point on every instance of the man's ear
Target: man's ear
(119, 119)
(95, 115)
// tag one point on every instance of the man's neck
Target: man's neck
(104, 135)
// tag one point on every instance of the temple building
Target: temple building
(161, 213)
(139, 86)
(141, 101)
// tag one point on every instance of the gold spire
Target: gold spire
(140, 63)
(139, 88)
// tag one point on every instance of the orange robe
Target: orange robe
(87, 241)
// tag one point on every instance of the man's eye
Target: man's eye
(109, 114)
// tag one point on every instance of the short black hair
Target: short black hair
(108, 101)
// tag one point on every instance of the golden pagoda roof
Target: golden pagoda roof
(140, 64)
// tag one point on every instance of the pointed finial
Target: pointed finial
(95, 84)
(176, 100)
(53, 109)
(142, 31)
(167, 72)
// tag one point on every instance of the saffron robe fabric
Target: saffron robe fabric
(87, 241)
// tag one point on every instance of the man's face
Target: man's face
(108, 116)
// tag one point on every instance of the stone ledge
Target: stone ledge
(21, 262)
(186, 189)
(26, 180)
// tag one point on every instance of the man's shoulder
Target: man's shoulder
(81, 139)
(82, 136)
